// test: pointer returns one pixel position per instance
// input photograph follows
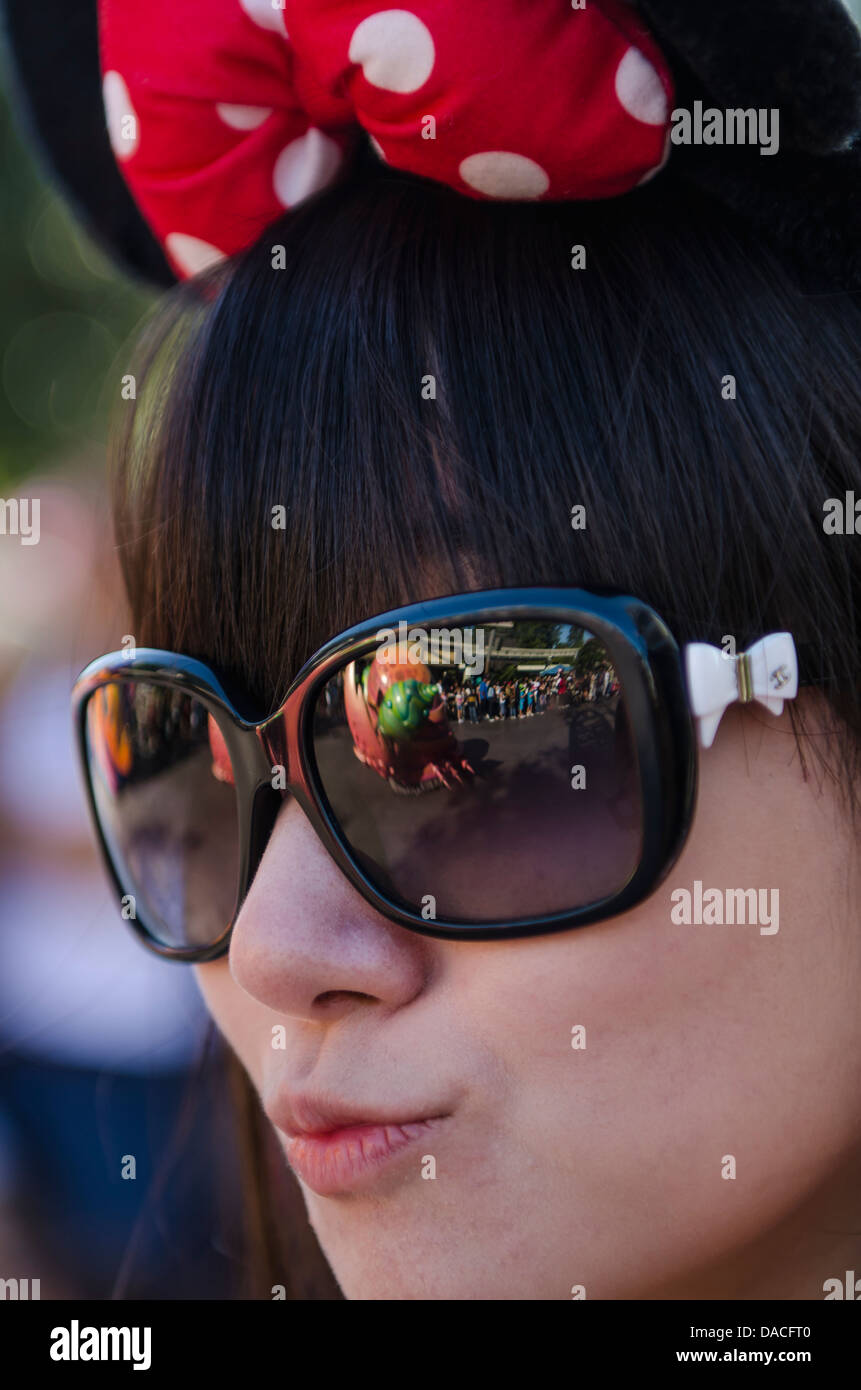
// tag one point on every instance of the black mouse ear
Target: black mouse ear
(55, 85)
(802, 58)
(807, 206)
(798, 64)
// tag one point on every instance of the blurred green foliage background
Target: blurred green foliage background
(65, 314)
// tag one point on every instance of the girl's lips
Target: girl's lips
(346, 1159)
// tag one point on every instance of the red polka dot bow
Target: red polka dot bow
(222, 113)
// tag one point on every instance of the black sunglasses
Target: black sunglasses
(487, 765)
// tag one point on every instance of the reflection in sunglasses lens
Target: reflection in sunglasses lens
(483, 774)
(163, 788)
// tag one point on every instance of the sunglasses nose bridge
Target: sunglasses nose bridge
(278, 741)
(272, 760)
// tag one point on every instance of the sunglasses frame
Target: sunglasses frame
(644, 654)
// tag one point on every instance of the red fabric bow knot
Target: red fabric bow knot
(223, 113)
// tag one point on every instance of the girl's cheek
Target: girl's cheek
(239, 1018)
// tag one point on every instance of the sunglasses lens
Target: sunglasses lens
(166, 804)
(483, 774)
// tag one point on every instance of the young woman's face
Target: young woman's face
(641, 1108)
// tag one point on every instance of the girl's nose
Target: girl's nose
(307, 945)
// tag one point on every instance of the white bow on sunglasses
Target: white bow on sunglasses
(767, 672)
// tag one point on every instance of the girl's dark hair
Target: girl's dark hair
(428, 387)
(431, 383)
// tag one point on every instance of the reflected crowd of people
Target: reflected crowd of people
(492, 700)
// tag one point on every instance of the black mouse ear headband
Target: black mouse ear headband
(762, 110)
(800, 59)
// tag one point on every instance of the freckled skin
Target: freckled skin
(599, 1166)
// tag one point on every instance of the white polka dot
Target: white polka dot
(267, 14)
(377, 147)
(191, 253)
(394, 50)
(243, 117)
(499, 174)
(668, 149)
(640, 89)
(307, 164)
(122, 121)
